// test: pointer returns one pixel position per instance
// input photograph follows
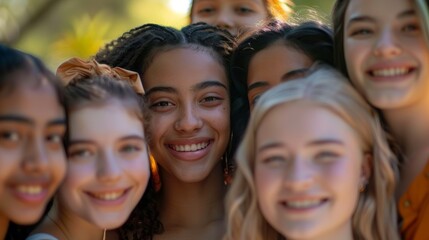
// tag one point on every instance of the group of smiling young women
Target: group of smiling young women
(181, 134)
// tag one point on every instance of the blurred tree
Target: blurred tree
(58, 29)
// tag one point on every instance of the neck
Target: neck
(410, 127)
(66, 224)
(189, 205)
(4, 224)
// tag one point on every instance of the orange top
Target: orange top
(414, 208)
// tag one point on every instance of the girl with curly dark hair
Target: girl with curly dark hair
(188, 108)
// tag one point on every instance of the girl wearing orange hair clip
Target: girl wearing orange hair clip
(239, 16)
(108, 158)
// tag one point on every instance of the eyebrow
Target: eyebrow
(326, 141)
(257, 85)
(292, 74)
(160, 89)
(270, 145)
(24, 120)
(207, 84)
(133, 137)
(362, 18)
(129, 137)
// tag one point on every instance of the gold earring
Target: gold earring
(363, 186)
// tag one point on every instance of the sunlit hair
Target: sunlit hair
(276, 9)
(375, 215)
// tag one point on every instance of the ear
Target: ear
(366, 168)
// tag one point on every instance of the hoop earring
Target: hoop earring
(229, 167)
(362, 187)
(155, 173)
(227, 173)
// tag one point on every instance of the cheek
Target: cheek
(137, 170)
(159, 125)
(267, 182)
(341, 176)
(58, 166)
(77, 177)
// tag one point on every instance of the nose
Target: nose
(300, 176)
(386, 45)
(224, 20)
(108, 167)
(189, 119)
(35, 155)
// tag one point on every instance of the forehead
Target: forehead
(32, 99)
(300, 122)
(377, 9)
(90, 120)
(280, 58)
(261, 2)
(183, 67)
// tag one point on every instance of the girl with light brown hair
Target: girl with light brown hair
(313, 164)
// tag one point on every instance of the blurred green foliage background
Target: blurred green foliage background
(56, 30)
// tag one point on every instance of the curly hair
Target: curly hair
(135, 50)
(375, 212)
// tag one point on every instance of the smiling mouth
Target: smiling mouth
(108, 196)
(189, 147)
(30, 189)
(391, 72)
(303, 204)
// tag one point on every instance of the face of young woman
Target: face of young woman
(108, 166)
(187, 92)
(32, 158)
(236, 16)
(284, 63)
(385, 52)
(307, 172)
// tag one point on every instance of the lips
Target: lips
(108, 196)
(31, 192)
(303, 204)
(390, 70)
(189, 147)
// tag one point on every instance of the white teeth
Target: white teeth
(390, 72)
(30, 189)
(109, 196)
(190, 148)
(303, 204)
